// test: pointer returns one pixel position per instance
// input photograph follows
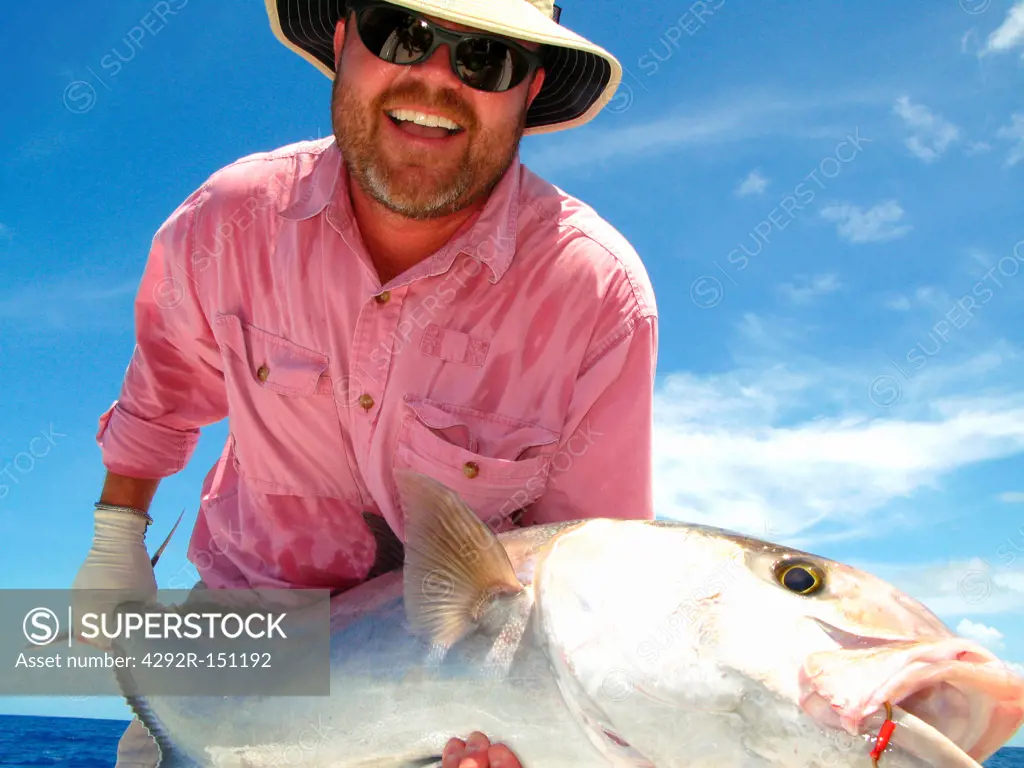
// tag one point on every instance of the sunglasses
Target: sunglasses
(482, 61)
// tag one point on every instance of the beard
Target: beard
(412, 185)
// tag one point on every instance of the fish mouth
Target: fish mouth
(953, 702)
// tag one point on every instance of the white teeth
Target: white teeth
(421, 118)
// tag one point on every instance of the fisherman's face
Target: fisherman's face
(417, 171)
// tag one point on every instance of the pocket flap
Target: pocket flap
(434, 415)
(491, 434)
(273, 362)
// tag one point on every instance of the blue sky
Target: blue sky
(827, 199)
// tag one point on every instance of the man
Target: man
(404, 294)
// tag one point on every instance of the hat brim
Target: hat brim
(580, 78)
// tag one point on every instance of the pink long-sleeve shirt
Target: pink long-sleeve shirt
(516, 365)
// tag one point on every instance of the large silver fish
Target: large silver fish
(614, 643)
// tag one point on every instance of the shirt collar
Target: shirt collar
(313, 191)
(491, 239)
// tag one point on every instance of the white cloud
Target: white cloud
(1009, 34)
(931, 135)
(929, 298)
(978, 148)
(42, 145)
(1012, 497)
(1015, 133)
(966, 39)
(934, 299)
(802, 449)
(62, 303)
(878, 223)
(956, 589)
(983, 634)
(722, 125)
(769, 336)
(721, 459)
(756, 115)
(806, 289)
(754, 184)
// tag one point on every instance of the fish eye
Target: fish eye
(800, 578)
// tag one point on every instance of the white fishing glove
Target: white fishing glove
(119, 562)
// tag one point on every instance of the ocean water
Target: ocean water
(80, 743)
(64, 741)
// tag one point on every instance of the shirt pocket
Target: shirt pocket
(281, 411)
(476, 454)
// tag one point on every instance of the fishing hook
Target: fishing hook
(884, 734)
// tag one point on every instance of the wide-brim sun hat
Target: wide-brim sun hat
(580, 76)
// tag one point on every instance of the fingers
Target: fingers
(502, 757)
(453, 753)
(471, 753)
(477, 752)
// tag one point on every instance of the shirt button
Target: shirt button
(471, 469)
(262, 373)
(365, 402)
(382, 298)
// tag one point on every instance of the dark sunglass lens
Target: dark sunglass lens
(394, 35)
(490, 65)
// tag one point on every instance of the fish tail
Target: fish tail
(170, 755)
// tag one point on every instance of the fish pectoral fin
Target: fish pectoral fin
(160, 550)
(455, 567)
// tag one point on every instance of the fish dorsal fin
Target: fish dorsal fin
(454, 565)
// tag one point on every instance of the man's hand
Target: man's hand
(118, 562)
(477, 752)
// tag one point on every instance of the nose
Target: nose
(437, 69)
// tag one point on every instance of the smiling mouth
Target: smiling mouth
(423, 124)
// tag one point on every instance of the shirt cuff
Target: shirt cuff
(137, 448)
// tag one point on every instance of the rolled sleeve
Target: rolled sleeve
(174, 384)
(603, 466)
